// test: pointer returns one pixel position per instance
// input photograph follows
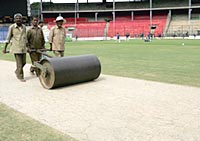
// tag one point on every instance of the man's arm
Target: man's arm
(9, 36)
(5, 48)
(43, 40)
(28, 37)
(51, 38)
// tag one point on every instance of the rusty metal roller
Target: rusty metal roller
(57, 72)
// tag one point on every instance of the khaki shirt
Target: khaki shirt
(57, 38)
(18, 36)
(35, 38)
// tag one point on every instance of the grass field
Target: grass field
(15, 126)
(160, 60)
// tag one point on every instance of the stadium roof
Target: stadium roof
(143, 9)
(81, 1)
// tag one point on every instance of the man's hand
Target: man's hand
(28, 50)
(5, 49)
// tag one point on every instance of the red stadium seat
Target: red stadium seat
(122, 25)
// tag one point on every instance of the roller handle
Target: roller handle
(41, 51)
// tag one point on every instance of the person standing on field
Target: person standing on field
(35, 40)
(127, 36)
(57, 37)
(17, 33)
(118, 38)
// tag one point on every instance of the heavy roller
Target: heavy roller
(56, 72)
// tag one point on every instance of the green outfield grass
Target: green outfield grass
(15, 126)
(160, 60)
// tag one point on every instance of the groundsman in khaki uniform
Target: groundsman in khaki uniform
(57, 37)
(35, 40)
(17, 33)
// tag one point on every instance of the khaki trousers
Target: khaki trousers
(20, 63)
(35, 57)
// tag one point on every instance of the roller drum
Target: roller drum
(63, 71)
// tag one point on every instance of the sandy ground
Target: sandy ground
(107, 109)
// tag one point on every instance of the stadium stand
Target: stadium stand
(140, 25)
(48, 6)
(9, 8)
(92, 29)
(85, 29)
(3, 32)
(68, 20)
(131, 17)
(48, 20)
(189, 27)
(169, 3)
(122, 25)
(93, 6)
(169, 17)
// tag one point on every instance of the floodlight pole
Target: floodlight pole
(150, 12)
(96, 17)
(132, 15)
(77, 8)
(28, 8)
(113, 10)
(41, 15)
(189, 11)
(75, 12)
